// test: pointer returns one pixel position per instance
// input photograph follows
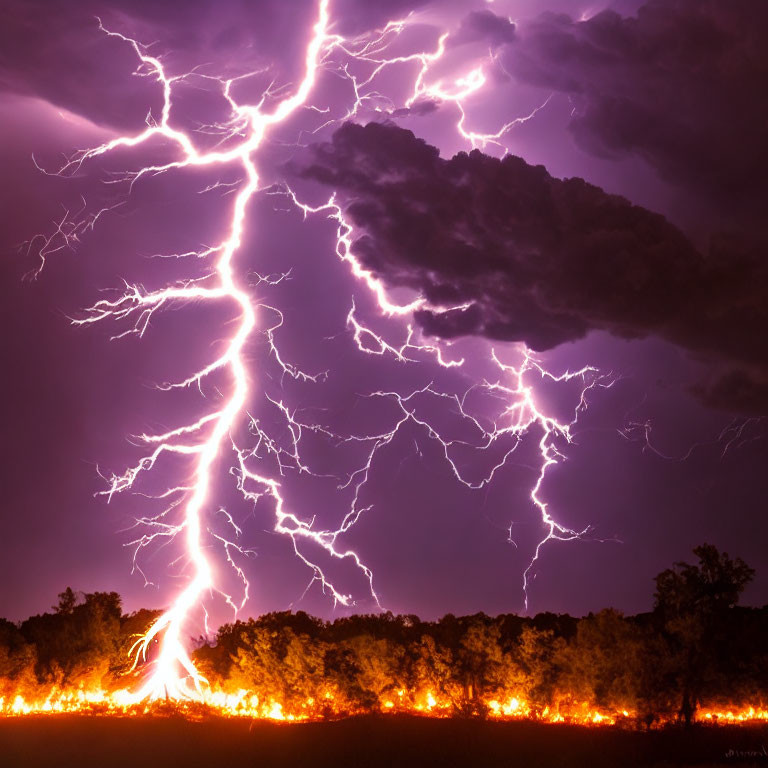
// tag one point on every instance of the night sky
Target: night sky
(624, 229)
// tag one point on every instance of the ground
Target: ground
(115, 742)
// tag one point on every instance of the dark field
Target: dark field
(113, 742)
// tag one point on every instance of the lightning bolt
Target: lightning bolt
(174, 674)
(359, 62)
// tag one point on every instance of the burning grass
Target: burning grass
(245, 704)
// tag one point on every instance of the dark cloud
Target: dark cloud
(53, 49)
(353, 17)
(486, 26)
(543, 260)
(736, 387)
(681, 85)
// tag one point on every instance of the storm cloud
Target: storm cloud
(53, 50)
(543, 260)
(486, 26)
(681, 84)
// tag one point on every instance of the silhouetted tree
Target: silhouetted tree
(693, 603)
(67, 602)
(80, 642)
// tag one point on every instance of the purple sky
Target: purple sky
(658, 107)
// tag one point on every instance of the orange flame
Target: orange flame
(249, 704)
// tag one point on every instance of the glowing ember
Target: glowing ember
(247, 704)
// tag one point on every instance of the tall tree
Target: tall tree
(693, 603)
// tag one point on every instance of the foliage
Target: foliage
(693, 603)
(696, 647)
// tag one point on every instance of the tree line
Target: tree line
(696, 648)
